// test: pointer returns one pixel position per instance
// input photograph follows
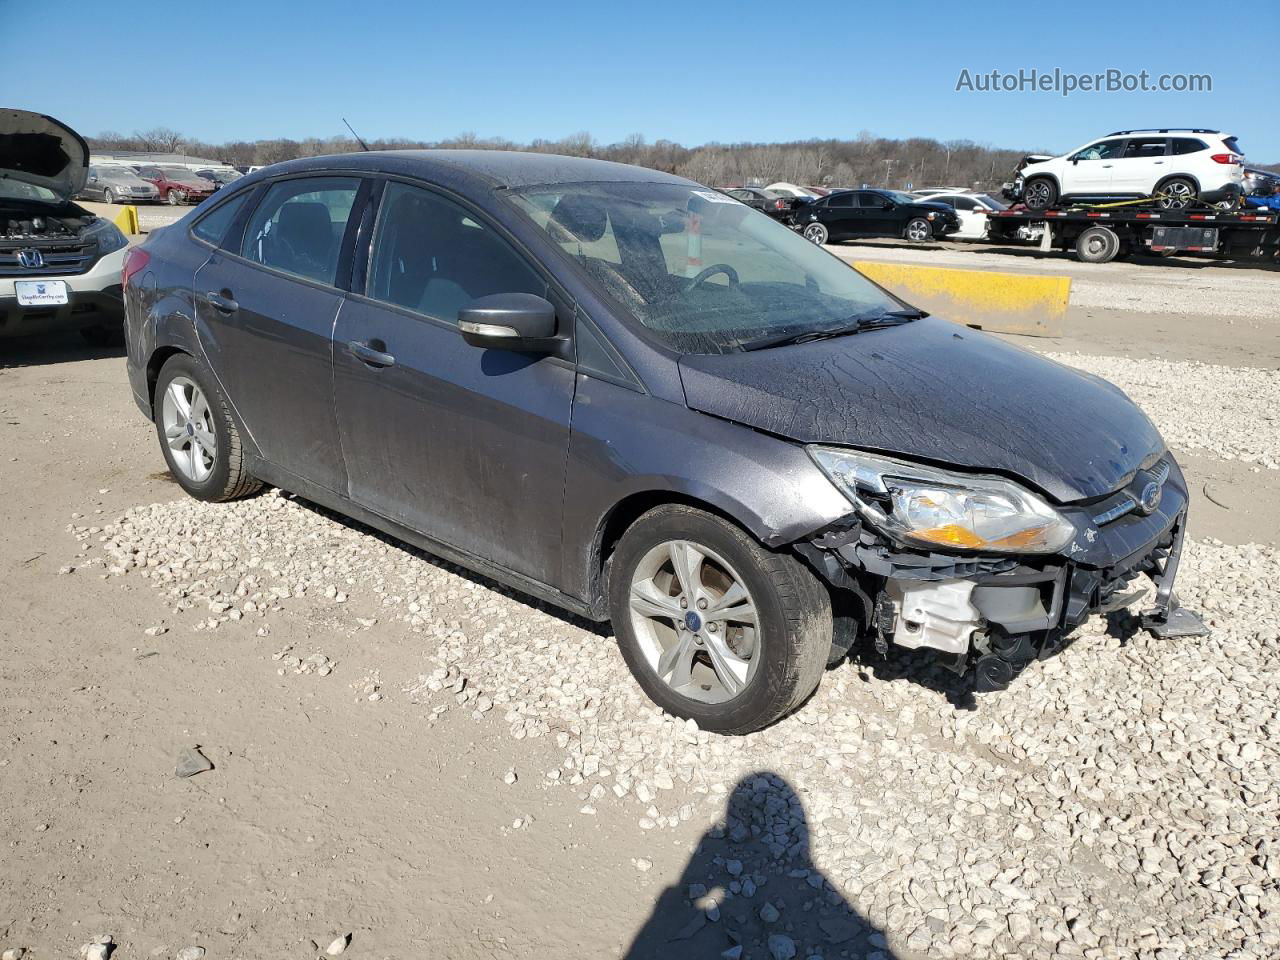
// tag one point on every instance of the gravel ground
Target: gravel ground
(1231, 412)
(1118, 801)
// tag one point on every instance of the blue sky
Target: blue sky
(693, 72)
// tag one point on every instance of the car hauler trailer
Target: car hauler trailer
(1099, 235)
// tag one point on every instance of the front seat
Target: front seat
(305, 243)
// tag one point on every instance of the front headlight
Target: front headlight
(109, 237)
(927, 506)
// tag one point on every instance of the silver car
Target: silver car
(114, 184)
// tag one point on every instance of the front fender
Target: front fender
(626, 445)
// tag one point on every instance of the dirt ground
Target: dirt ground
(329, 813)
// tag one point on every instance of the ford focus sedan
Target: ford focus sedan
(638, 399)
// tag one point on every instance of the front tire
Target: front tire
(918, 230)
(175, 197)
(1040, 193)
(714, 627)
(817, 233)
(200, 440)
(108, 195)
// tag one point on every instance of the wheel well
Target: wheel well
(1177, 176)
(624, 513)
(1057, 184)
(154, 365)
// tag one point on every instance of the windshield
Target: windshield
(900, 196)
(702, 272)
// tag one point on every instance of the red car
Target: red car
(177, 184)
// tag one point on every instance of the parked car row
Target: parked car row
(153, 183)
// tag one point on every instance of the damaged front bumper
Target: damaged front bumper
(1001, 612)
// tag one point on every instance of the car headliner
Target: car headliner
(492, 168)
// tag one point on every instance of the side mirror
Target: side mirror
(509, 321)
(887, 204)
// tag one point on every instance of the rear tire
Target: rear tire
(1097, 245)
(781, 655)
(817, 233)
(1176, 194)
(1040, 193)
(200, 440)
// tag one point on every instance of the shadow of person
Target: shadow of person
(751, 891)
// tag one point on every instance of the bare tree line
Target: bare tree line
(868, 159)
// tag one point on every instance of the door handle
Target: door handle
(367, 354)
(1159, 163)
(1106, 166)
(221, 303)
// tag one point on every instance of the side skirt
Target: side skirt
(278, 477)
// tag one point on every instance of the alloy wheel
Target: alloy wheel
(1038, 195)
(188, 429)
(1177, 195)
(917, 230)
(695, 620)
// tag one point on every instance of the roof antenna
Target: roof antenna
(363, 146)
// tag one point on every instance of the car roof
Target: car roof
(1121, 133)
(494, 168)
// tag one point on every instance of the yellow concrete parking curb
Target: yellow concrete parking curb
(124, 217)
(998, 302)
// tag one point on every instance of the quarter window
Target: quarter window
(299, 224)
(432, 256)
(1184, 145)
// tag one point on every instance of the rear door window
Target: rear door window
(299, 225)
(840, 200)
(213, 226)
(430, 255)
(1143, 147)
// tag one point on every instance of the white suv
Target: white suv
(1175, 166)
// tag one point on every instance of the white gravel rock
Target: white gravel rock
(1119, 797)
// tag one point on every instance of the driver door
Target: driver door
(463, 444)
(1093, 168)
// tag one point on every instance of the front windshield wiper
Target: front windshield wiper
(847, 328)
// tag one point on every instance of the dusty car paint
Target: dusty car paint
(525, 466)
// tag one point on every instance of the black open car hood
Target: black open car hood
(39, 150)
(930, 390)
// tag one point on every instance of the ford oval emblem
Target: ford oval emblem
(1150, 498)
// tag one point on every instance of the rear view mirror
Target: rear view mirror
(509, 321)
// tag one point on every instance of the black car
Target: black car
(626, 394)
(766, 201)
(874, 213)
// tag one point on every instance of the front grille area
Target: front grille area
(60, 259)
(1129, 498)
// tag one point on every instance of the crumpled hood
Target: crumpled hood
(930, 390)
(39, 150)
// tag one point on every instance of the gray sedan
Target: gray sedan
(112, 184)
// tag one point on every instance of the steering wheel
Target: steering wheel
(711, 271)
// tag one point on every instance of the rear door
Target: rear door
(840, 216)
(266, 311)
(466, 445)
(1142, 164)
